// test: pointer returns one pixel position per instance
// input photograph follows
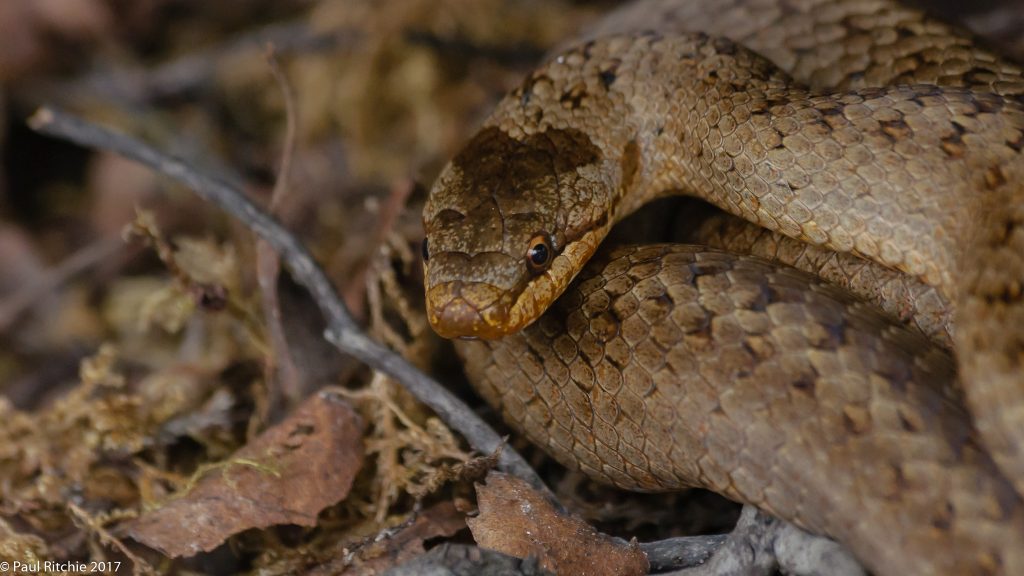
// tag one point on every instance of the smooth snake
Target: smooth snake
(867, 143)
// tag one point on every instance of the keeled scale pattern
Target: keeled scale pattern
(670, 366)
(904, 297)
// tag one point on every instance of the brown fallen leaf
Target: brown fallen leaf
(519, 521)
(284, 476)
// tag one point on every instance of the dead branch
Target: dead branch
(12, 308)
(761, 545)
(342, 330)
(282, 376)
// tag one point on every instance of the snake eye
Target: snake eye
(424, 251)
(539, 254)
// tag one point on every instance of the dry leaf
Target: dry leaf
(519, 521)
(285, 476)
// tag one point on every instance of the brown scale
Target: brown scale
(665, 367)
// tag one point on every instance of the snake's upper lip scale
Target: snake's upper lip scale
(468, 310)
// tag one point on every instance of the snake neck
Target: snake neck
(875, 172)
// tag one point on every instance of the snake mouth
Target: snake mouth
(460, 309)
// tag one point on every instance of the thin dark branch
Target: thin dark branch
(291, 127)
(282, 375)
(342, 330)
(761, 545)
(681, 552)
(12, 308)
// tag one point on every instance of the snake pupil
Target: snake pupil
(539, 254)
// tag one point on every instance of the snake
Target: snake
(858, 370)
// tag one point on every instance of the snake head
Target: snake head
(509, 223)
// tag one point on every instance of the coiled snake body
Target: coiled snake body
(877, 134)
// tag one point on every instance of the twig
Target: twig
(803, 553)
(291, 126)
(354, 294)
(210, 296)
(282, 375)
(761, 545)
(21, 301)
(342, 330)
(140, 565)
(681, 552)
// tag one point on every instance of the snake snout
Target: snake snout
(459, 309)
